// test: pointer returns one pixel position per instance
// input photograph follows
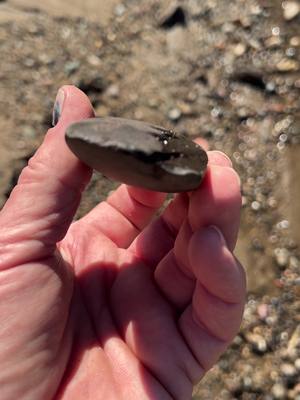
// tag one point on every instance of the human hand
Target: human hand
(117, 305)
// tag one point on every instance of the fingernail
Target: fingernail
(58, 107)
(217, 232)
(217, 157)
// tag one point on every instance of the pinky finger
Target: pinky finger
(215, 267)
(213, 319)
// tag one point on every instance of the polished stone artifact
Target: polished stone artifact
(138, 153)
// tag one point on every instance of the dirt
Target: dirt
(228, 72)
(99, 11)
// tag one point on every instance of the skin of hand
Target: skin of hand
(122, 304)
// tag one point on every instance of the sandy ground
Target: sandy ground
(98, 11)
(229, 72)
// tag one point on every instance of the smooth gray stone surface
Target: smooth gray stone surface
(138, 153)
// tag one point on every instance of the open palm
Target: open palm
(118, 305)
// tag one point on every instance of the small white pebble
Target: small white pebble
(278, 391)
(288, 370)
(255, 205)
(290, 9)
(174, 114)
(297, 364)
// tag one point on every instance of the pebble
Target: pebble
(239, 49)
(245, 21)
(295, 41)
(234, 384)
(111, 36)
(273, 41)
(113, 91)
(290, 52)
(294, 344)
(288, 370)
(93, 60)
(138, 153)
(290, 9)
(281, 256)
(98, 43)
(185, 108)
(255, 205)
(255, 44)
(270, 87)
(257, 342)
(45, 59)
(120, 10)
(287, 65)
(237, 341)
(278, 391)
(174, 114)
(255, 9)
(72, 67)
(275, 31)
(29, 62)
(284, 224)
(263, 311)
(247, 383)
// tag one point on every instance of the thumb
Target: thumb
(42, 205)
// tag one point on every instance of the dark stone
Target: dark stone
(252, 79)
(138, 153)
(93, 87)
(173, 17)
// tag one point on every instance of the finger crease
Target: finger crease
(183, 268)
(168, 227)
(226, 302)
(142, 204)
(206, 329)
(124, 216)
